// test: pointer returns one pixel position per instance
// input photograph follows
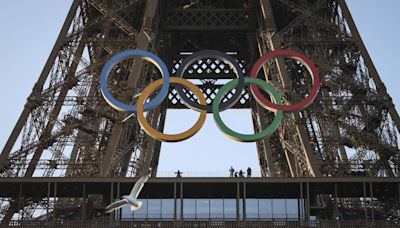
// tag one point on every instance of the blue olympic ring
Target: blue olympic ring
(126, 55)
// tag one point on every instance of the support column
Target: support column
(308, 209)
(175, 204)
(84, 202)
(336, 213)
(372, 201)
(273, 42)
(365, 202)
(48, 201)
(20, 202)
(181, 195)
(134, 76)
(237, 202)
(301, 207)
(244, 203)
(398, 195)
(118, 197)
(55, 195)
(112, 215)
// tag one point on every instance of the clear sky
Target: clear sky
(30, 28)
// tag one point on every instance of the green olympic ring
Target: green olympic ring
(247, 137)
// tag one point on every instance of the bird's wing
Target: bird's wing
(115, 205)
(139, 186)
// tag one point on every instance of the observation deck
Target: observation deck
(212, 202)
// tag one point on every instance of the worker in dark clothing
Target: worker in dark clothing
(241, 174)
(249, 172)
(178, 173)
(231, 172)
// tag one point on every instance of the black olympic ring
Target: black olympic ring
(227, 60)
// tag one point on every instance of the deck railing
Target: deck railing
(206, 224)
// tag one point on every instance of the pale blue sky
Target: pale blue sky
(29, 30)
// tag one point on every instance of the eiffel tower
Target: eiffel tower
(68, 130)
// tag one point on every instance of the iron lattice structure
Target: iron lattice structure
(67, 129)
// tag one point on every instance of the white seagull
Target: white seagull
(129, 199)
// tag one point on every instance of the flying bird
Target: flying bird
(131, 198)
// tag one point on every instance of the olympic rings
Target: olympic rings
(308, 63)
(120, 106)
(243, 137)
(216, 106)
(167, 137)
(227, 60)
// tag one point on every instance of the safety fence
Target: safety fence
(206, 224)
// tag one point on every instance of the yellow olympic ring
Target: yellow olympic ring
(170, 137)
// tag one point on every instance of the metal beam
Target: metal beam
(56, 111)
(373, 73)
(274, 43)
(134, 76)
(371, 67)
(264, 150)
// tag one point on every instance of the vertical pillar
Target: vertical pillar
(272, 207)
(161, 206)
(258, 210)
(398, 195)
(55, 195)
(244, 203)
(308, 201)
(147, 209)
(365, 202)
(175, 204)
(336, 203)
(111, 199)
(20, 202)
(223, 207)
(237, 202)
(336, 214)
(372, 202)
(48, 201)
(120, 210)
(83, 212)
(181, 195)
(209, 207)
(195, 208)
(301, 203)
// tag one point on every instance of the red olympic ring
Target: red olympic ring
(308, 63)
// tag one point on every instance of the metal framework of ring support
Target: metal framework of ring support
(227, 60)
(68, 130)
